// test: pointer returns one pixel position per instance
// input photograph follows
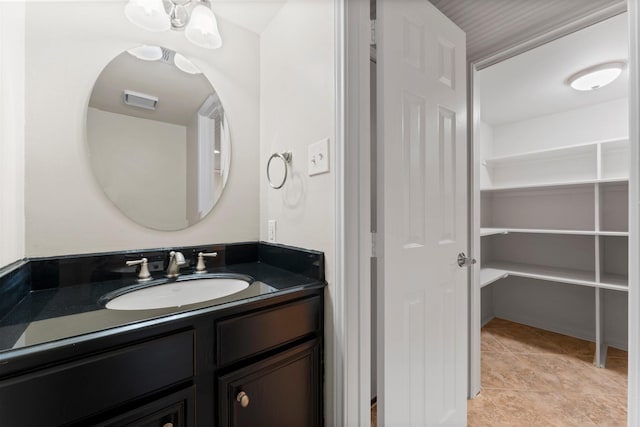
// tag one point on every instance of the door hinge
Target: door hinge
(372, 40)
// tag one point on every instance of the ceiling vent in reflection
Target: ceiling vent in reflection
(167, 55)
(140, 100)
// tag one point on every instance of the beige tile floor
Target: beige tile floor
(532, 377)
(536, 378)
(374, 415)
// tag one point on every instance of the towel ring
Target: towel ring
(285, 156)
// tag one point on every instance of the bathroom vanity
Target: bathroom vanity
(251, 358)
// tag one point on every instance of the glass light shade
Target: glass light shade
(202, 29)
(185, 65)
(148, 14)
(147, 53)
(596, 77)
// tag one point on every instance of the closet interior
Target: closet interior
(553, 172)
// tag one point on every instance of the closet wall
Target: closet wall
(553, 173)
(554, 220)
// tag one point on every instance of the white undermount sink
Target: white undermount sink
(176, 294)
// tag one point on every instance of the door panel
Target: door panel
(422, 293)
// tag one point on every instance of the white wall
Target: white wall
(607, 120)
(66, 210)
(12, 81)
(297, 99)
(142, 166)
(486, 150)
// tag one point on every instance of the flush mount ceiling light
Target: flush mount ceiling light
(195, 17)
(597, 76)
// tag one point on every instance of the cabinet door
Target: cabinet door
(282, 390)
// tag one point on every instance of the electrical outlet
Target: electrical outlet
(318, 157)
(271, 230)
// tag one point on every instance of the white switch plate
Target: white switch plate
(319, 157)
(271, 230)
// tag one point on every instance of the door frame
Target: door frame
(634, 187)
(352, 321)
(351, 398)
(633, 412)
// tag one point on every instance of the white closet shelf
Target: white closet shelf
(489, 275)
(498, 270)
(551, 153)
(488, 231)
(616, 282)
(554, 184)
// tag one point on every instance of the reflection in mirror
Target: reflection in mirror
(158, 138)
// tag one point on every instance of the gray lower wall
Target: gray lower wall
(558, 307)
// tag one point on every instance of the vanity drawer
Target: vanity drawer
(175, 410)
(84, 387)
(243, 336)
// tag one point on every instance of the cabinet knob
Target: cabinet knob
(243, 398)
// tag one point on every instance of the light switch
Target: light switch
(319, 157)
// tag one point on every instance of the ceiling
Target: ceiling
(180, 94)
(495, 25)
(252, 15)
(534, 83)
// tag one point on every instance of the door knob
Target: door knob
(243, 398)
(465, 261)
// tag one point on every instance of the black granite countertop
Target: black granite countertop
(60, 306)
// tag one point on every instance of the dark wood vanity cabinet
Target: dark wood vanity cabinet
(79, 390)
(270, 366)
(175, 410)
(180, 373)
(279, 391)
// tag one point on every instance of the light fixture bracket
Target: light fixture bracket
(179, 11)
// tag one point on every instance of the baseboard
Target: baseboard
(583, 334)
(484, 321)
(617, 344)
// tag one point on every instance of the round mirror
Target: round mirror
(158, 138)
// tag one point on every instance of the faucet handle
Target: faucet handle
(201, 267)
(144, 274)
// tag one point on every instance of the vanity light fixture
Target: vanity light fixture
(147, 53)
(597, 76)
(168, 56)
(195, 17)
(185, 65)
(148, 14)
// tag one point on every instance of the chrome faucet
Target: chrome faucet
(176, 259)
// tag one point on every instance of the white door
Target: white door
(422, 294)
